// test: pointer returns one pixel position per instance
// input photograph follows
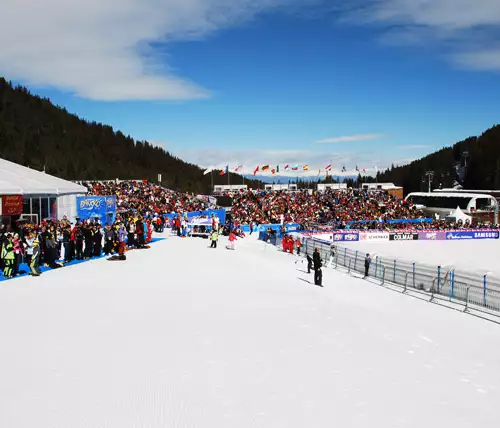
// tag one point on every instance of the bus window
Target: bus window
(483, 204)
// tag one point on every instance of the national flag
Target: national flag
(278, 168)
(273, 171)
(226, 171)
(295, 168)
(208, 171)
(305, 167)
(364, 170)
(319, 172)
(256, 170)
(238, 168)
(286, 167)
(357, 168)
(328, 167)
(265, 168)
(343, 169)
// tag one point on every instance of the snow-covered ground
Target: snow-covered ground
(183, 336)
(479, 256)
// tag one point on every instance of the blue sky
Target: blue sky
(267, 81)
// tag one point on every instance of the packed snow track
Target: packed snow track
(183, 336)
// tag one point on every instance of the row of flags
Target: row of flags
(276, 170)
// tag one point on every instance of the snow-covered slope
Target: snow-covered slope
(183, 336)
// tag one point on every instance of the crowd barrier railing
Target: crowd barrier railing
(467, 289)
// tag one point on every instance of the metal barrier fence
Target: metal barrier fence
(465, 288)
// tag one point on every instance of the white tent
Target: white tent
(457, 215)
(43, 195)
(19, 180)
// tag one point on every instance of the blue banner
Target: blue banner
(219, 213)
(292, 227)
(102, 207)
(350, 237)
(490, 234)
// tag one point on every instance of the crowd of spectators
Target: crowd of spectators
(341, 209)
(53, 244)
(331, 206)
(146, 198)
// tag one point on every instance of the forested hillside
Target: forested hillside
(35, 133)
(474, 163)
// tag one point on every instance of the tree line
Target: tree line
(36, 133)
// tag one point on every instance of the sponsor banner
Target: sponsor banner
(431, 235)
(90, 207)
(342, 237)
(11, 205)
(401, 236)
(374, 236)
(482, 234)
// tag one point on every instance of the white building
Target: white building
(230, 188)
(334, 186)
(278, 187)
(43, 195)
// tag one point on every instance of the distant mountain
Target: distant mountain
(38, 134)
(473, 163)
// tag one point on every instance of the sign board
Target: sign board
(11, 205)
(402, 236)
(102, 207)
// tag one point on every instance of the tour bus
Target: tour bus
(443, 203)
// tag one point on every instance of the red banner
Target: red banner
(12, 205)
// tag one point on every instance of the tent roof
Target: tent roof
(19, 180)
(458, 214)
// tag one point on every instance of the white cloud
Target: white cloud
(100, 49)
(466, 30)
(218, 158)
(350, 138)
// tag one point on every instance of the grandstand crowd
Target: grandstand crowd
(141, 208)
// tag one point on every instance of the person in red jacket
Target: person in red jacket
(298, 243)
(232, 240)
(284, 243)
(290, 245)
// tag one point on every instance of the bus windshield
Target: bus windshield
(448, 202)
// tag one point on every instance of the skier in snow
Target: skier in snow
(368, 261)
(318, 274)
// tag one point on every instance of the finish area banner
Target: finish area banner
(11, 205)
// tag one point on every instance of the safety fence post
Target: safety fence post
(413, 274)
(349, 269)
(376, 265)
(467, 298)
(439, 280)
(394, 277)
(484, 290)
(452, 288)
(355, 259)
(345, 255)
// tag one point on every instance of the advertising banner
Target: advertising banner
(102, 207)
(374, 236)
(291, 227)
(432, 236)
(463, 235)
(402, 236)
(208, 213)
(11, 205)
(343, 237)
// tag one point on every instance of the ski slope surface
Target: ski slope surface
(183, 336)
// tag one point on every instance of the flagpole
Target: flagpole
(212, 181)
